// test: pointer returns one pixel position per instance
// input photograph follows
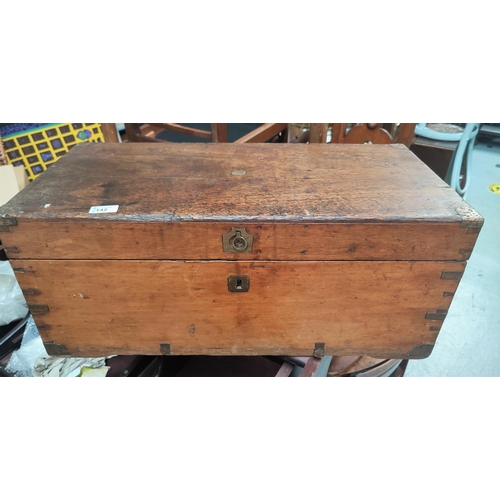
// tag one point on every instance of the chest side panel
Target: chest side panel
(381, 309)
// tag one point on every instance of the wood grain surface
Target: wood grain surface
(96, 308)
(80, 239)
(282, 182)
(359, 247)
(318, 132)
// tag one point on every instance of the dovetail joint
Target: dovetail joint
(38, 308)
(421, 351)
(7, 220)
(54, 349)
(451, 275)
(439, 315)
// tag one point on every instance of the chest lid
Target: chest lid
(286, 202)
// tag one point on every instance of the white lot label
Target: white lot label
(103, 209)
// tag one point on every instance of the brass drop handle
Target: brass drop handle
(237, 241)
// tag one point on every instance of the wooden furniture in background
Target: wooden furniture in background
(437, 155)
(239, 249)
(374, 133)
(215, 366)
(147, 132)
(266, 132)
(366, 366)
(218, 132)
(109, 132)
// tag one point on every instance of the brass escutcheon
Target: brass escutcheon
(238, 283)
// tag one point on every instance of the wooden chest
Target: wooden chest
(246, 249)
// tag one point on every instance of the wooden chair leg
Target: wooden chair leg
(405, 134)
(318, 132)
(284, 135)
(110, 132)
(263, 133)
(311, 367)
(219, 132)
(338, 132)
(132, 132)
(285, 370)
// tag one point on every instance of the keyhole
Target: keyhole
(238, 283)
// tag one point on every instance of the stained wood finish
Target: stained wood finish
(132, 132)
(219, 132)
(437, 155)
(80, 239)
(357, 203)
(372, 132)
(128, 307)
(356, 247)
(109, 132)
(146, 132)
(376, 133)
(283, 183)
(310, 368)
(405, 134)
(318, 132)
(338, 132)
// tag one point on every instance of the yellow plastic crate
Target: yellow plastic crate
(40, 148)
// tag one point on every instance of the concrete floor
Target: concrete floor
(469, 341)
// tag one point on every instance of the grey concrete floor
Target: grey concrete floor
(469, 342)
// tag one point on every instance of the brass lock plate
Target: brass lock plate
(238, 283)
(237, 241)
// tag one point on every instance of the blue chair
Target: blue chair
(466, 139)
